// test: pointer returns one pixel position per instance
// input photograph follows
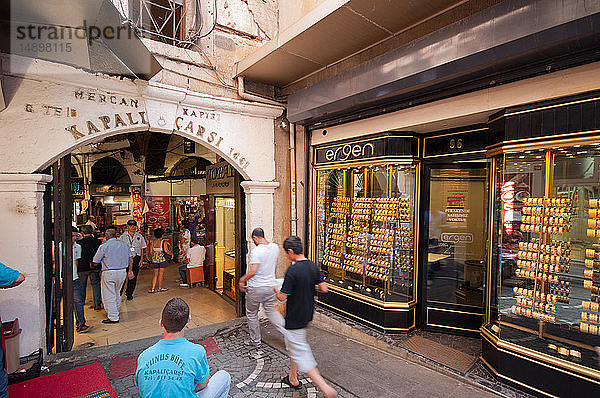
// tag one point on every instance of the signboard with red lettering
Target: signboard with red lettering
(159, 212)
(137, 206)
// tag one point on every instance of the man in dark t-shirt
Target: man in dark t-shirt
(298, 289)
(89, 245)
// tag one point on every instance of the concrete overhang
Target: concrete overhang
(333, 31)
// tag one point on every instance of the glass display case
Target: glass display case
(545, 279)
(365, 229)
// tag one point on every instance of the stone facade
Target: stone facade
(53, 109)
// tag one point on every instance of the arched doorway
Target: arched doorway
(224, 125)
(172, 183)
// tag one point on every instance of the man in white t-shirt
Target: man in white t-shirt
(195, 258)
(258, 284)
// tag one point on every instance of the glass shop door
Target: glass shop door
(455, 247)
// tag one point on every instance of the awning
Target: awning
(332, 31)
(90, 34)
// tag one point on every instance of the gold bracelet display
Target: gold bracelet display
(590, 309)
(369, 238)
(337, 227)
(543, 260)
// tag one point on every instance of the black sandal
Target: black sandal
(286, 381)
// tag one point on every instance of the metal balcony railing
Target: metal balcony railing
(166, 20)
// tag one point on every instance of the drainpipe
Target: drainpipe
(293, 219)
(251, 97)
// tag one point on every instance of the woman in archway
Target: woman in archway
(159, 247)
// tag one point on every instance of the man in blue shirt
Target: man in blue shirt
(8, 278)
(117, 264)
(175, 367)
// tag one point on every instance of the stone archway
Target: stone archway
(49, 116)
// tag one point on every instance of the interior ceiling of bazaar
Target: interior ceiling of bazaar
(163, 156)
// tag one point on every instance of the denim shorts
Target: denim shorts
(164, 264)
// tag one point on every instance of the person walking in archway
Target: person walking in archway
(137, 245)
(117, 264)
(159, 249)
(89, 246)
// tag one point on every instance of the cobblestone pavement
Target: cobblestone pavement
(352, 368)
(255, 373)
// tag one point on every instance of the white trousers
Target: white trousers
(255, 296)
(111, 283)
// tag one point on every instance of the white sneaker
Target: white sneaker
(183, 285)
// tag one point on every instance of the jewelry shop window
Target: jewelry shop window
(545, 293)
(366, 229)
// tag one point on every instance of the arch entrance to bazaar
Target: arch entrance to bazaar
(163, 182)
(169, 151)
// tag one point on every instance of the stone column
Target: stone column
(259, 208)
(22, 248)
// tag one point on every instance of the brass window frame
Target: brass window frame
(384, 161)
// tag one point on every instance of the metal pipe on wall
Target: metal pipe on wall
(251, 97)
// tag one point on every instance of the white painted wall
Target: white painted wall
(239, 131)
(21, 248)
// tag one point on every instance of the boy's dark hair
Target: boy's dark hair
(158, 233)
(294, 244)
(175, 315)
(258, 232)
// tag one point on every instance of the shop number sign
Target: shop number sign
(458, 144)
(475, 140)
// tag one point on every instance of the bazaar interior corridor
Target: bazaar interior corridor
(139, 317)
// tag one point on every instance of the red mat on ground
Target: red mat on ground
(210, 345)
(122, 367)
(83, 381)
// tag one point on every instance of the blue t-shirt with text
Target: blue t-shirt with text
(171, 368)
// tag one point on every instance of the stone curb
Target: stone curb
(328, 324)
(120, 349)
